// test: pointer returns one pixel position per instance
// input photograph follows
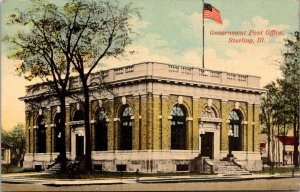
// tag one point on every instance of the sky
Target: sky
(170, 31)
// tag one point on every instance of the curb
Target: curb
(133, 181)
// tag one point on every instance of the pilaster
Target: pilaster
(195, 132)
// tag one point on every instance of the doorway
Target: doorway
(79, 146)
(207, 145)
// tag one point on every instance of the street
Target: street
(259, 184)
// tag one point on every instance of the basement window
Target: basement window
(121, 167)
(182, 167)
(98, 168)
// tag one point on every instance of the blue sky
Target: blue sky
(171, 32)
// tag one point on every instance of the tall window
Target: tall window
(78, 115)
(100, 136)
(57, 132)
(126, 128)
(41, 135)
(235, 125)
(178, 127)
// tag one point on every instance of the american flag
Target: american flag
(211, 12)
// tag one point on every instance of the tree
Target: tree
(15, 138)
(268, 111)
(77, 35)
(291, 86)
(106, 33)
(280, 105)
(46, 49)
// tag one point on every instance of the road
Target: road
(262, 184)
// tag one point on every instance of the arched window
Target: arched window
(178, 127)
(57, 132)
(78, 115)
(41, 135)
(235, 118)
(100, 136)
(126, 128)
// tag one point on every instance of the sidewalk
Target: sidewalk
(20, 178)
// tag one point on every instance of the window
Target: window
(78, 115)
(121, 167)
(100, 133)
(98, 168)
(41, 135)
(182, 167)
(126, 128)
(235, 126)
(178, 128)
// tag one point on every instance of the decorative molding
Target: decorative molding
(132, 117)
(189, 118)
(209, 102)
(100, 103)
(170, 117)
(123, 100)
(159, 117)
(237, 105)
(180, 100)
(76, 122)
(58, 109)
(214, 120)
(116, 119)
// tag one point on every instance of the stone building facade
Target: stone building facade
(159, 118)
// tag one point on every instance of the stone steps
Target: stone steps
(228, 168)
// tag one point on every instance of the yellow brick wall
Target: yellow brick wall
(256, 128)
(195, 131)
(27, 130)
(166, 132)
(47, 113)
(226, 107)
(156, 122)
(151, 132)
(110, 125)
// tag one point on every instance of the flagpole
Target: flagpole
(202, 35)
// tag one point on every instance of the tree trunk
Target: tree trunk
(278, 146)
(269, 143)
(63, 158)
(273, 145)
(88, 148)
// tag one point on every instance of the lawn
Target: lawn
(112, 175)
(10, 169)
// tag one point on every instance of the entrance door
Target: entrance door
(207, 144)
(79, 146)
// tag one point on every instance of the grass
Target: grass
(280, 170)
(112, 175)
(10, 169)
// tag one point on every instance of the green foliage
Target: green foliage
(280, 105)
(15, 138)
